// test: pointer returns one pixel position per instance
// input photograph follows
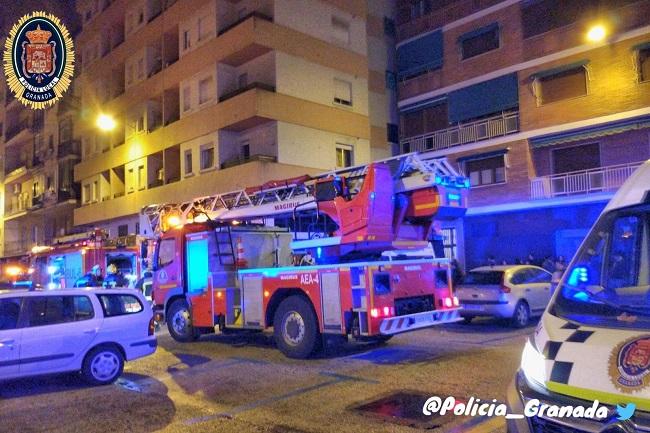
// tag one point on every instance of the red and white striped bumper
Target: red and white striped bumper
(411, 322)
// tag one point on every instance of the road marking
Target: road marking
(337, 378)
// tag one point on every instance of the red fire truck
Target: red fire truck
(233, 261)
(70, 257)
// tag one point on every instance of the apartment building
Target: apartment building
(38, 193)
(543, 103)
(207, 96)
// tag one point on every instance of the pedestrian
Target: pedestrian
(114, 278)
(517, 261)
(557, 273)
(548, 264)
(457, 274)
(93, 278)
(491, 261)
(307, 260)
(530, 260)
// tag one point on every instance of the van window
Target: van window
(119, 305)
(9, 312)
(166, 252)
(50, 310)
(608, 282)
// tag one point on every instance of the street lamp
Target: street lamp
(105, 122)
(596, 33)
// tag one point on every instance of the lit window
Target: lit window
(342, 92)
(344, 156)
(207, 156)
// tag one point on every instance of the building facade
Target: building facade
(39, 154)
(544, 104)
(211, 96)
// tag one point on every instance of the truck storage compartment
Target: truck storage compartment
(415, 304)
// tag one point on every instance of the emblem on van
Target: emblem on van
(38, 59)
(629, 366)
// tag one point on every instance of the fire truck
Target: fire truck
(69, 258)
(306, 257)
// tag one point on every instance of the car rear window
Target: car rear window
(9, 312)
(484, 278)
(50, 310)
(119, 305)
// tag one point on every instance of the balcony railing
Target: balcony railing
(16, 129)
(255, 14)
(241, 160)
(582, 182)
(69, 148)
(497, 126)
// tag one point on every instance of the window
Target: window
(142, 178)
(425, 120)
(342, 92)
(140, 69)
(86, 193)
(51, 310)
(186, 98)
(129, 74)
(242, 80)
(119, 305)
(245, 151)
(563, 85)
(541, 16)
(205, 93)
(392, 133)
(204, 28)
(9, 312)
(389, 27)
(644, 64)
(95, 192)
(187, 41)
(391, 81)
(344, 156)
(130, 180)
(123, 230)
(487, 171)
(188, 162)
(341, 30)
(419, 8)
(479, 41)
(576, 158)
(166, 252)
(207, 156)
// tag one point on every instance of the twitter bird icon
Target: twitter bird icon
(625, 412)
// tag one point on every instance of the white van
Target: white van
(88, 330)
(593, 341)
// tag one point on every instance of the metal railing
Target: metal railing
(497, 126)
(240, 90)
(582, 182)
(243, 160)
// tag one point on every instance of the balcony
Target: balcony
(241, 90)
(596, 180)
(241, 160)
(492, 127)
(244, 18)
(69, 148)
(16, 129)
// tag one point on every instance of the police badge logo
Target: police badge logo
(38, 59)
(630, 364)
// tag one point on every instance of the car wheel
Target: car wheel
(103, 365)
(295, 328)
(521, 316)
(179, 322)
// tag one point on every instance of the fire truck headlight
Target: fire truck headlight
(533, 364)
(51, 270)
(13, 271)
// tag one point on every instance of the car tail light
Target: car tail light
(152, 326)
(448, 302)
(505, 289)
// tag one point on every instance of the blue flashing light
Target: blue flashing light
(372, 195)
(453, 197)
(319, 250)
(270, 272)
(466, 183)
(579, 274)
(438, 180)
(581, 296)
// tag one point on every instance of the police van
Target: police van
(593, 341)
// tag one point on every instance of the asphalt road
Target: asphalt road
(243, 384)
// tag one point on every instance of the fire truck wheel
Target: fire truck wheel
(295, 328)
(179, 322)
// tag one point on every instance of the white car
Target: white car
(514, 292)
(88, 330)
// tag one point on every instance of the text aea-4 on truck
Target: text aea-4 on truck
(339, 224)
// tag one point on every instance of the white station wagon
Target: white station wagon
(88, 330)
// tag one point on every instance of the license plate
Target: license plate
(472, 307)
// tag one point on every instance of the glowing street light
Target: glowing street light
(105, 122)
(596, 33)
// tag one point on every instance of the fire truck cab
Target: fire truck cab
(217, 272)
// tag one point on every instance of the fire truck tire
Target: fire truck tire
(295, 328)
(179, 322)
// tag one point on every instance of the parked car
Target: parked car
(514, 292)
(93, 331)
